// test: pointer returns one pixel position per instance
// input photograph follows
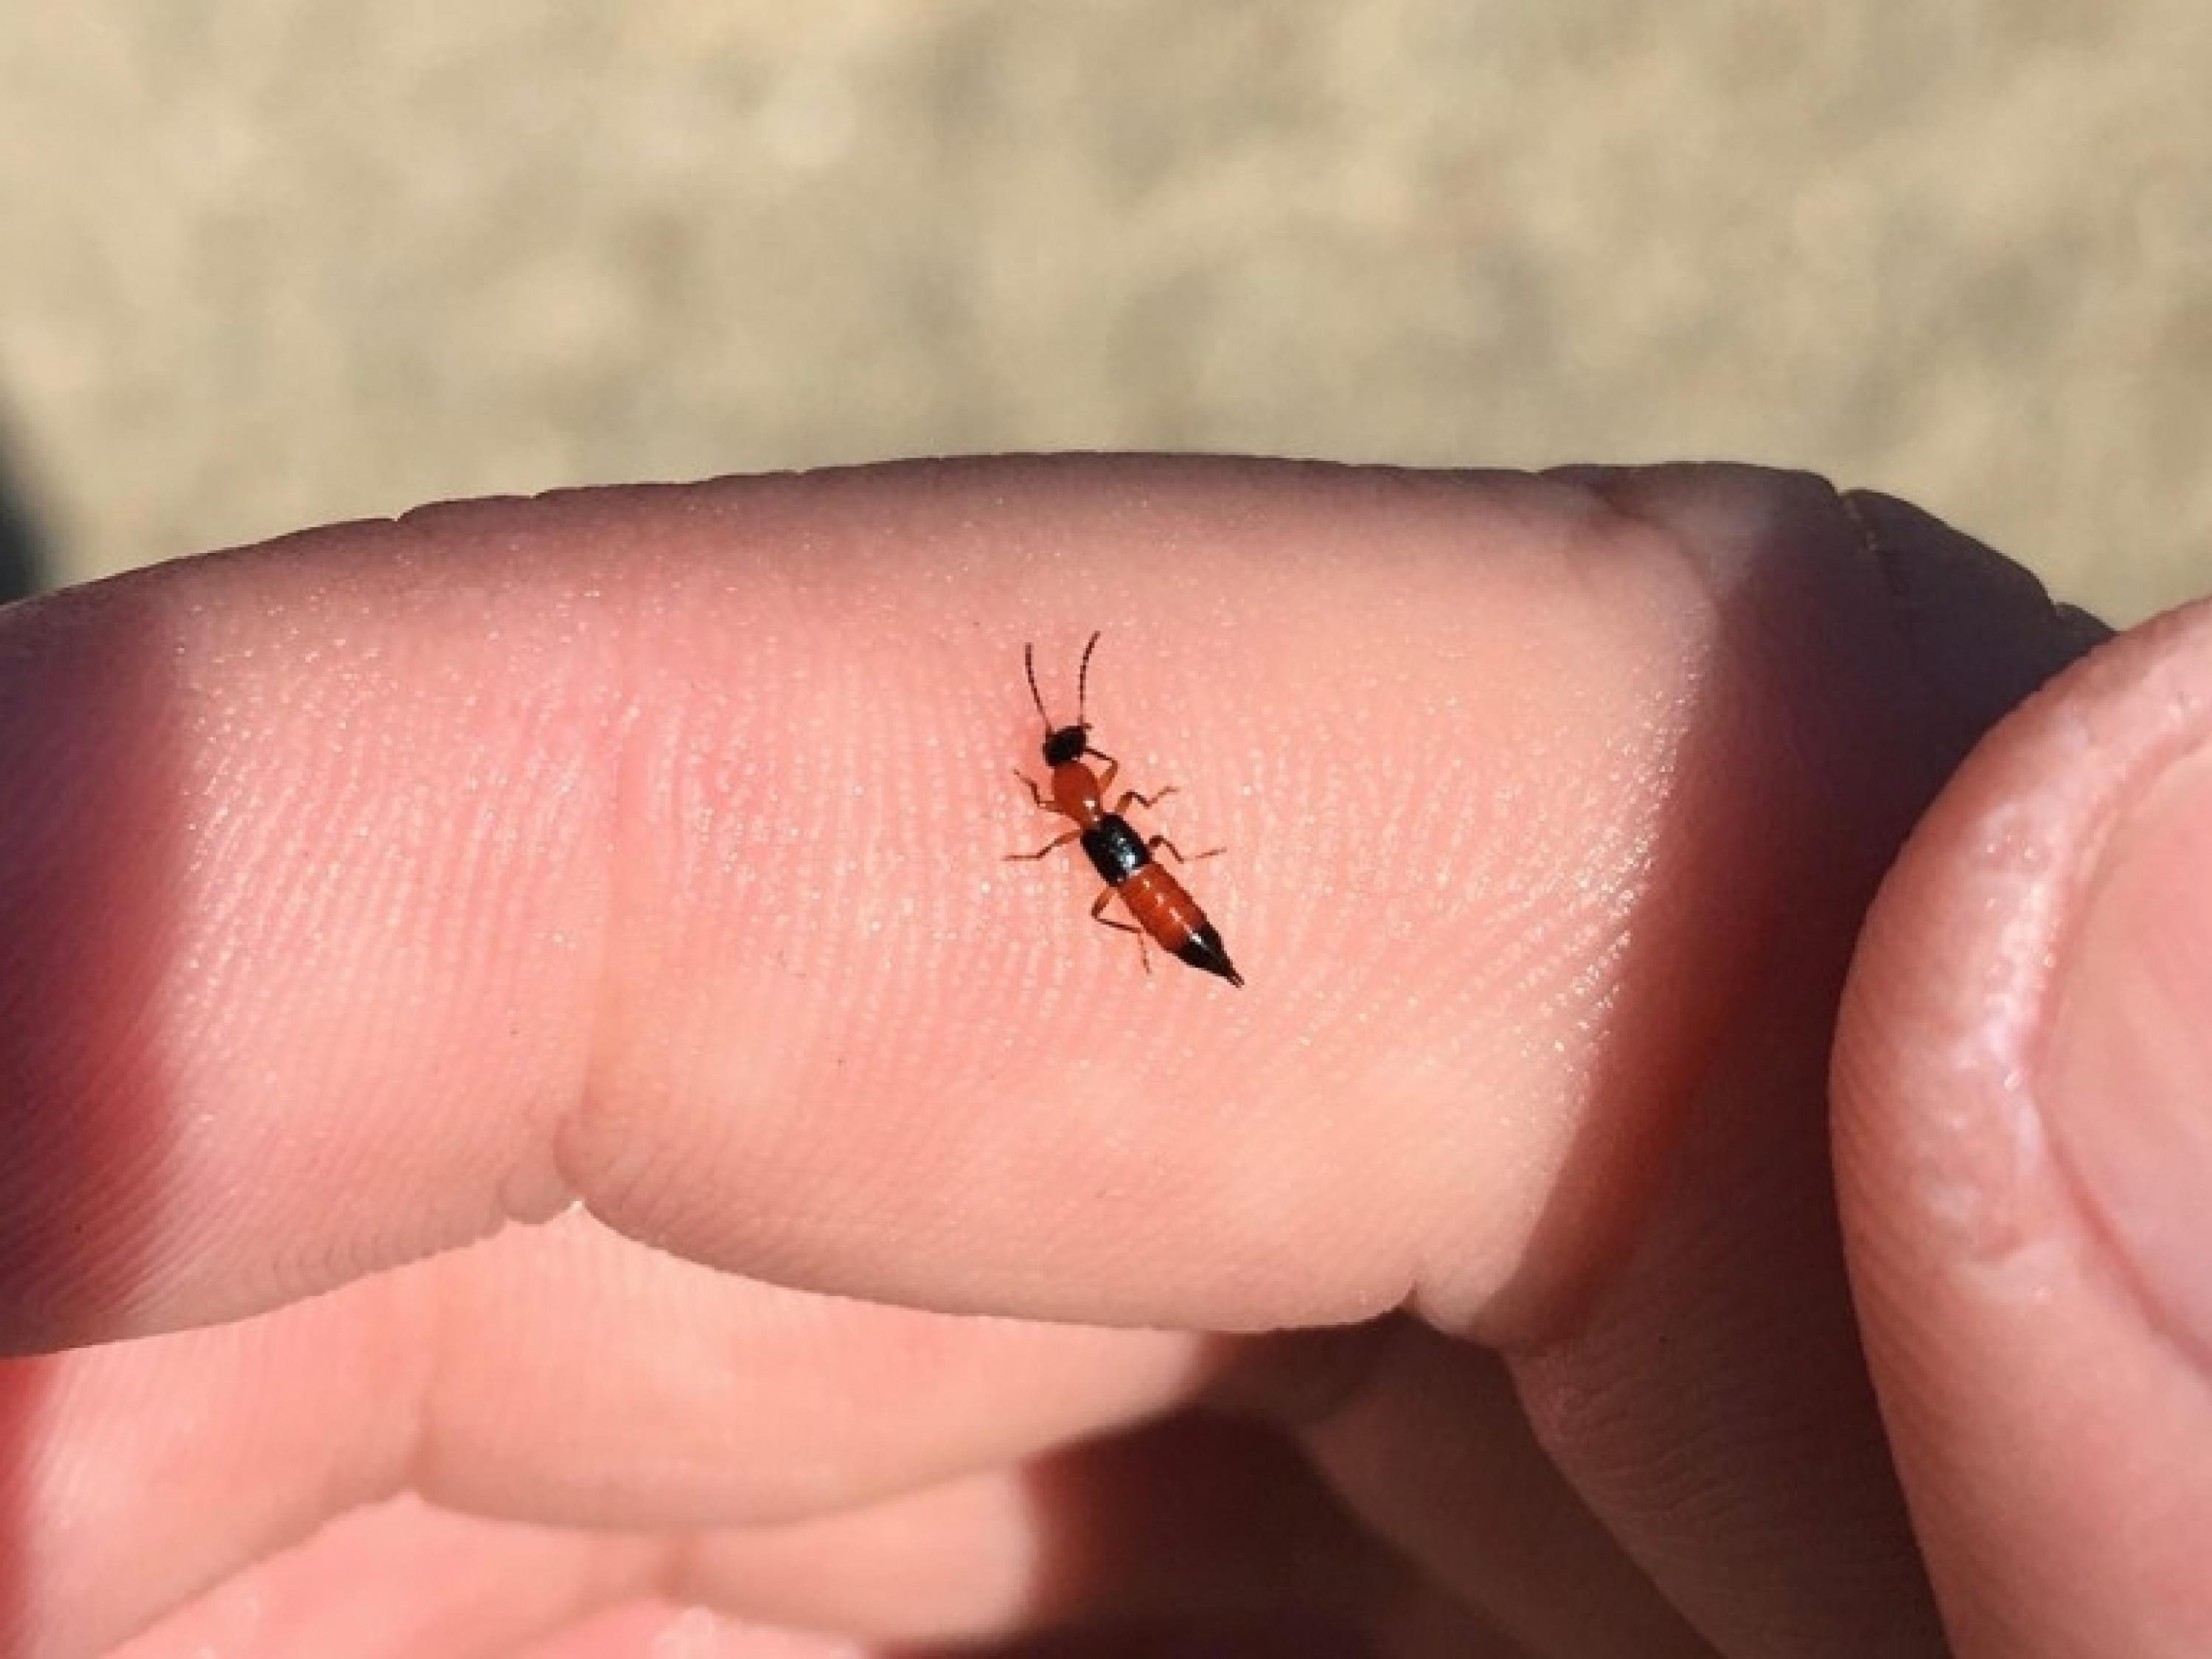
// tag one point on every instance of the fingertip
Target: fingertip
(1998, 1114)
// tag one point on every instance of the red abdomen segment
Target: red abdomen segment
(1174, 921)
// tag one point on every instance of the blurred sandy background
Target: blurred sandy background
(269, 263)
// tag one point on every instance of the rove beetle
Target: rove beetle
(1164, 912)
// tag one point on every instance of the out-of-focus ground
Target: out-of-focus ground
(276, 262)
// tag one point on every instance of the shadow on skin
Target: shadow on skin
(1201, 1535)
(88, 896)
(25, 565)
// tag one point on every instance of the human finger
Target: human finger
(654, 1629)
(560, 1376)
(1197, 1520)
(394, 1579)
(373, 889)
(2027, 1159)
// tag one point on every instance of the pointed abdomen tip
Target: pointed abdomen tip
(1203, 949)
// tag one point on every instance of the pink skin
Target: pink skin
(627, 865)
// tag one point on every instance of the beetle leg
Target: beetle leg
(1052, 845)
(1176, 852)
(1098, 914)
(1146, 801)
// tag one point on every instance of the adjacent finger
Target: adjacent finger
(1193, 1521)
(657, 1630)
(2022, 1080)
(398, 1579)
(1435, 1453)
(1192, 1517)
(560, 1375)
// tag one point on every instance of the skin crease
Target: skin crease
(519, 1047)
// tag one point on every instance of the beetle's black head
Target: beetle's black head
(1068, 743)
(1063, 743)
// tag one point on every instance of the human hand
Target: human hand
(905, 1265)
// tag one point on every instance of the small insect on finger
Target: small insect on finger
(1163, 909)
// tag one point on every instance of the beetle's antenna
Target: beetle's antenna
(1028, 667)
(1083, 686)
